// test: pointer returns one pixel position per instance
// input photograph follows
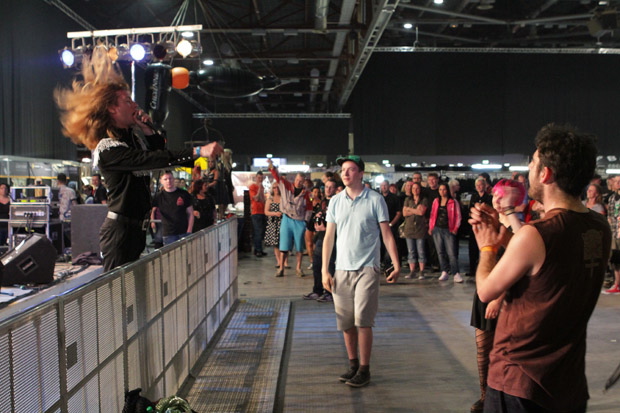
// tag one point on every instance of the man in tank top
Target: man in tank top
(552, 272)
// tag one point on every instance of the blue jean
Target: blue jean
(446, 249)
(169, 239)
(415, 249)
(259, 223)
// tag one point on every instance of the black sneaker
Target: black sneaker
(348, 375)
(325, 298)
(359, 380)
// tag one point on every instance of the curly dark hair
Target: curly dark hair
(569, 153)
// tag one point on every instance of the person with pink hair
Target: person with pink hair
(506, 194)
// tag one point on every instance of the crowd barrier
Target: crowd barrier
(143, 325)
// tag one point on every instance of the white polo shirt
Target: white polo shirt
(358, 240)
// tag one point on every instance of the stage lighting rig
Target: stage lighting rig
(138, 44)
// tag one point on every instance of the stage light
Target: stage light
(407, 26)
(184, 48)
(208, 62)
(137, 51)
(161, 44)
(67, 57)
(163, 50)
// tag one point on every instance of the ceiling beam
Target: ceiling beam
(380, 19)
(454, 14)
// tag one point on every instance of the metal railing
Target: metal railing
(142, 325)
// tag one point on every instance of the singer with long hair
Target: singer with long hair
(98, 112)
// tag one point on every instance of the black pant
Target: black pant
(500, 402)
(120, 243)
(317, 262)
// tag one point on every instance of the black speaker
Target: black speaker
(31, 262)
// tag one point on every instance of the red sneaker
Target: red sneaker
(613, 290)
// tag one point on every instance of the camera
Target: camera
(319, 219)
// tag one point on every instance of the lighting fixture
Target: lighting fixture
(407, 26)
(438, 1)
(518, 168)
(184, 48)
(379, 179)
(489, 166)
(137, 51)
(160, 44)
(67, 57)
(485, 5)
(208, 62)
(612, 171)
(163, 50)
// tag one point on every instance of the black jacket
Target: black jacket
(125, 165)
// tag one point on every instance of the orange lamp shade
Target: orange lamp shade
(180, 77)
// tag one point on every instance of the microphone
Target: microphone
(150, 124)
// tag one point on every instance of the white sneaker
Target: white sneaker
(444, 276)
(458, 278)
(310, 266)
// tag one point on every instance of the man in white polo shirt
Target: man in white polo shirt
(358, 216)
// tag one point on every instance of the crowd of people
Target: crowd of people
(425, 216)
(536, 284)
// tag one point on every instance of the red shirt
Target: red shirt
(257, 207)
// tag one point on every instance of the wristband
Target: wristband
(197, 149)
(489, 248)
(509, 211)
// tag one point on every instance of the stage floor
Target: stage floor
(424, 355)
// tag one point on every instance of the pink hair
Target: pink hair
(499, 188)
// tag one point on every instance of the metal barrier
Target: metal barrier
(142, 325)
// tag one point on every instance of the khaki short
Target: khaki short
(356, 297)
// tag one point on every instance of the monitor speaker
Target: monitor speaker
(31, 262)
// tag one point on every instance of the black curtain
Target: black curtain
(482, 104)
(32, 32)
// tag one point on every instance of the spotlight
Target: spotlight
(407, 26)
(163, 50)
(137, 52)
(189, 48)
(67, 57)
(184, 48)
(208, 62)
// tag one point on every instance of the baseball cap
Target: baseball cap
(356, 159)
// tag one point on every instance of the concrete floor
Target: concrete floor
(424, 351)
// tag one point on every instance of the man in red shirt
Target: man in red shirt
(259, 221)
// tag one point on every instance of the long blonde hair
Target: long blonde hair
(84, 107)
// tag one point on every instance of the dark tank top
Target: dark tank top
(540, 340)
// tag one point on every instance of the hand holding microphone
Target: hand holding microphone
(143, 120)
